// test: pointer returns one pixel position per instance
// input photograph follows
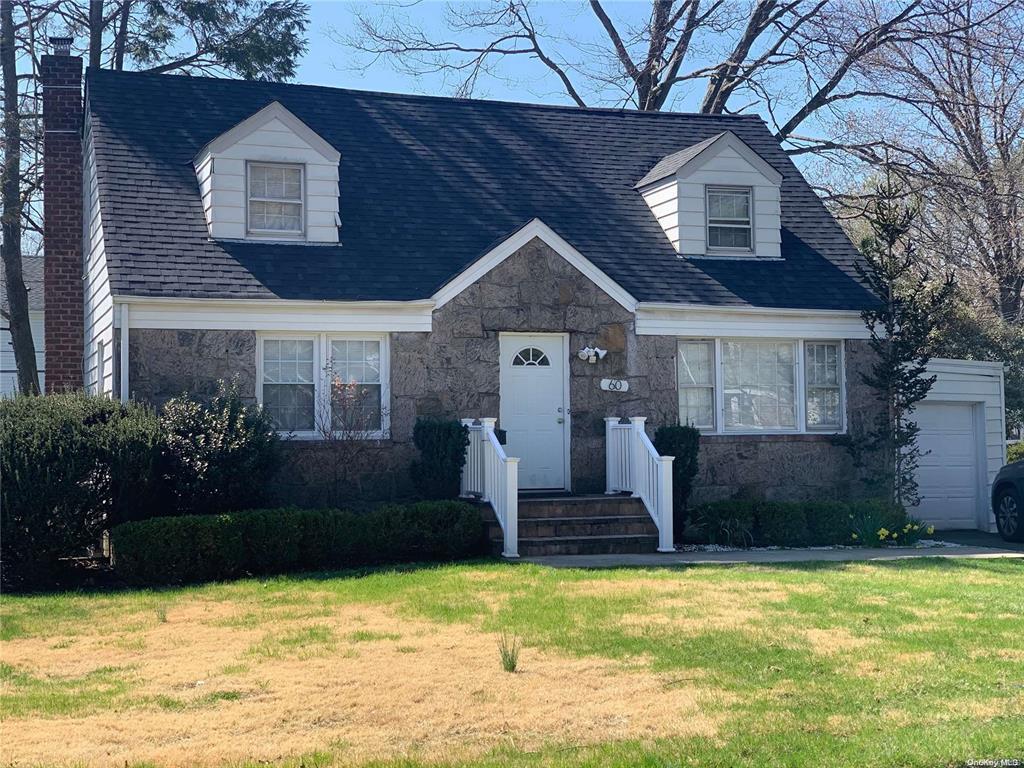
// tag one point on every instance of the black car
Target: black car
(1008, 501)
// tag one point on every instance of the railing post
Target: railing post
(511, 508)
(469, 465)
(666, 541)
(610, 449)
(637, 454)
(485, 439)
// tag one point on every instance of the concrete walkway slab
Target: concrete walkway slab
(768, 557)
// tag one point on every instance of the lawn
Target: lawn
(910, 663)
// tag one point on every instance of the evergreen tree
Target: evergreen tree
(901, 326)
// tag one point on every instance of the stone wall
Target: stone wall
(453, 371)
(163, 363)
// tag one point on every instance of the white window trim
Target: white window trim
(282, 234)
(714, 383)
(799, 381)
(827, 429)
(322, 387)
(718, 250)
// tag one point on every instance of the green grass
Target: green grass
(909, 663)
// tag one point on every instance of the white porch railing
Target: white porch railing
(494, 477)
(632, 464)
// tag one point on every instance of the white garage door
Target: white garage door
(948, 474)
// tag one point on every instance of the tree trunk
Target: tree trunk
(10, 249)
(95, 32)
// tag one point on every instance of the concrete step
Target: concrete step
(579, 506)
(592, 525)
(587, 545)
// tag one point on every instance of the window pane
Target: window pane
(822, 407)
(729, 237)
(729, 204)
(696, 374)
(696, 406)
(279, 217)
(824, 400)
(288, 384)
(354, 371)
(759, 383)
(695, 364)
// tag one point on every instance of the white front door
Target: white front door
(535, 406)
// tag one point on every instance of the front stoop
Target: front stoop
(578, 525)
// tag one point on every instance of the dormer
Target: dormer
(271, 177)
(717, 198)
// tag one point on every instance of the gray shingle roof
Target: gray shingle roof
(672, 163)
(428, 185)
(32, 274)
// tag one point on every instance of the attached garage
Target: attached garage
(963, 435)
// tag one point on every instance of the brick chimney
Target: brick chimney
(61, 76)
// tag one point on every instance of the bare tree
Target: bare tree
(253, 39)
(791, 59)
(954, 133)
(17, 315)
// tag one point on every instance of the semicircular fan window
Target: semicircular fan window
(530, 356)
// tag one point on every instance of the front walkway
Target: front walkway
(767, 556)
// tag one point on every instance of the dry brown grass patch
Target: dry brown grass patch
(382, 702)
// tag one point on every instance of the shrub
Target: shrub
(1014, 452)
(442, 445)
(217, 457)
(175, 550)
(71, 465)
(684, 444)
(726, 522)
(815, 523)
(781, 523)
(828, 522)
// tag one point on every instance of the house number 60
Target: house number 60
(614, 385)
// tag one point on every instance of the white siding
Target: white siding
(8, 369)
(980, 385)
(99, 304)
(222, 182)
(678, 202)
(728, 168)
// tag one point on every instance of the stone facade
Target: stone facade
(163, 364)
(453, 371)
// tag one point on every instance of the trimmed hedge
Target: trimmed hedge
(437, 474)
(190, 548)
(71, 464)
(805, 523)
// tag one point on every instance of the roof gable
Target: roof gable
(264, 117)
(691, 159)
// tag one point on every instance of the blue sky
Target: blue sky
(523, 79)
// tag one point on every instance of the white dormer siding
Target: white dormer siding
(679, 200)
(273, 135)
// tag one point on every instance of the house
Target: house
(550, 268)
(32, 274)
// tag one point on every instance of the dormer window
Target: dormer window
(729, 224)
(275, 199)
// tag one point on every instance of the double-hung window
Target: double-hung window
(760, 385)
(729, 219)
(275, 199)
(354, 372)
(696, 363)
(823, 366)
(316, 385)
